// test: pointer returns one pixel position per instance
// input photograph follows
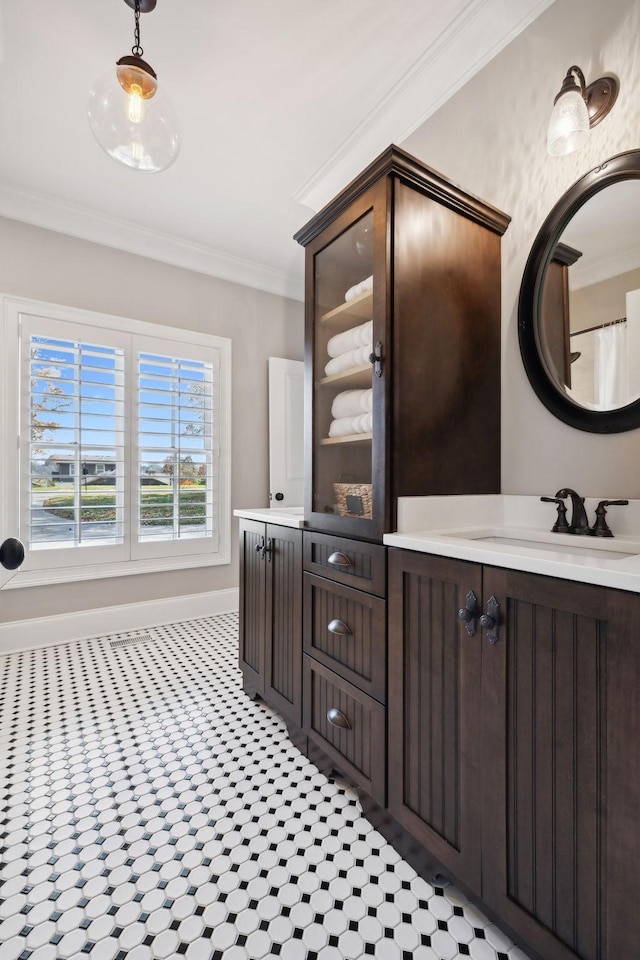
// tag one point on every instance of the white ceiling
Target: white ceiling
(280, 105)
(606, 231)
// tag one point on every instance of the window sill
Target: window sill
(39, 578)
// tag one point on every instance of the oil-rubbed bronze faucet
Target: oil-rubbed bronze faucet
(579, 522)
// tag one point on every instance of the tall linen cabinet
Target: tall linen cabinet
(403, 300)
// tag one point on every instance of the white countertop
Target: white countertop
(284, 516)
(456, 527)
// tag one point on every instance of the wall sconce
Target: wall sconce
(577, 108)
(130, 116)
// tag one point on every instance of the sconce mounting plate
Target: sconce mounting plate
(146, 6)
(601, 96)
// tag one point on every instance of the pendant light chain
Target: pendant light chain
(136, 49)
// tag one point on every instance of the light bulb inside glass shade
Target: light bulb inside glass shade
(137, 128)
(568, 123)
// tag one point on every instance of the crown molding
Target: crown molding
(604, 268)
(76, 221)
(479, 32)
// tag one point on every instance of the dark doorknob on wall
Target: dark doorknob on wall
(279, 496)
(11, 553)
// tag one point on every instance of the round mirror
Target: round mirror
(579, 309)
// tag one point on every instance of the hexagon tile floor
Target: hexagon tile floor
(151, 810)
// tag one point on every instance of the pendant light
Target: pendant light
(130, 115)
(577, 108)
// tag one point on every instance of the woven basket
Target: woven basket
(353, 499)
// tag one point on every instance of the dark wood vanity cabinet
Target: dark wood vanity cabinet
(404, 267)
(270, 654)
(517, 762)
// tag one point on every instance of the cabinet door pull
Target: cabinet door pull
(268, 549)
(338, 719)
(339, 559)
(375, 359)
(469, 613)
(260, 546)
(490, 621)
(339, 627)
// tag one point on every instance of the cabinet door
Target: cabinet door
(252, 605)
(347, 314)
(283, 617)
(434, 708)
(561, 764)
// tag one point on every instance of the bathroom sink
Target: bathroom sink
(568, 544)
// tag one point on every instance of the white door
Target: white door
(286, 432)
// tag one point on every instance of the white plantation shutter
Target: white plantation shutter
(73, 436)
(176, 417)
(175, 447)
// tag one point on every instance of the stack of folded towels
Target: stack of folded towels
(350, 349)
(351, 411)
(358, 288)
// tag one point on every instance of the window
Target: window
(123, 443)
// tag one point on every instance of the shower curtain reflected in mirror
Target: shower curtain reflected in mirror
(611, 373)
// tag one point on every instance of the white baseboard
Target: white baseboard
(45, 631)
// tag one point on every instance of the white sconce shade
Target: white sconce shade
(568, 124)
(577, 108)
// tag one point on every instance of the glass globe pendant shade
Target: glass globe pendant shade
(568, 124)
(132, 119)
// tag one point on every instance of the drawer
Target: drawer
(346, 630)
(347, 724)
(354, 563)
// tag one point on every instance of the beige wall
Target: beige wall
(490, 138)
(48, 266)
(602, 302)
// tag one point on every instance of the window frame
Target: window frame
(68, 564)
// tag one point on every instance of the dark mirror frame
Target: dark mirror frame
(624, 166)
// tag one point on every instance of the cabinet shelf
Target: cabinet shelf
(360, 308)
(351, 438)
(353, 377)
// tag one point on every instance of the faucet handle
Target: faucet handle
(561, 525)
(600, 527)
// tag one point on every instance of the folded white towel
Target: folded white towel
(351, 403)
(346, 426)
(350, 339)
(358, 288)
(353, 358)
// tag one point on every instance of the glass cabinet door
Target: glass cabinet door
(344, 375)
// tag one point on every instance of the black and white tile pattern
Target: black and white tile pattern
(151, 810)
